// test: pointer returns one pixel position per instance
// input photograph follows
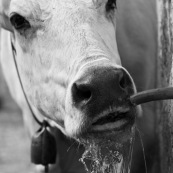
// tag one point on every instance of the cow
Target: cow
(79, 62)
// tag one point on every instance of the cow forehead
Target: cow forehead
(38, 8)
(78, 26)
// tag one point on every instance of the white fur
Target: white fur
(66, 36)
(63, 35)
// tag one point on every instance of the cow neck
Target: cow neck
(20, 80)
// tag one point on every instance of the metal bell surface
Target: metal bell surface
(43, 146)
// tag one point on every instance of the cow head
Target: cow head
(69, 63)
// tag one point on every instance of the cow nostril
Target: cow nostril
(125, 83)
(122, 82)
(81, 92)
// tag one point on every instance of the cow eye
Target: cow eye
(19, 22)
(111, 5)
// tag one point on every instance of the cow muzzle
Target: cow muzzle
(101, 94)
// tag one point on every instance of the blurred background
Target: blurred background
(14, 140)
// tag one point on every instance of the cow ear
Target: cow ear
(4, 11)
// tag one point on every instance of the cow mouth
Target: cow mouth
(114, 121)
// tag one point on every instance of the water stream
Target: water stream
(108, 155)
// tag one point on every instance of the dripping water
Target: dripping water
(143, 150)
(108, 156)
